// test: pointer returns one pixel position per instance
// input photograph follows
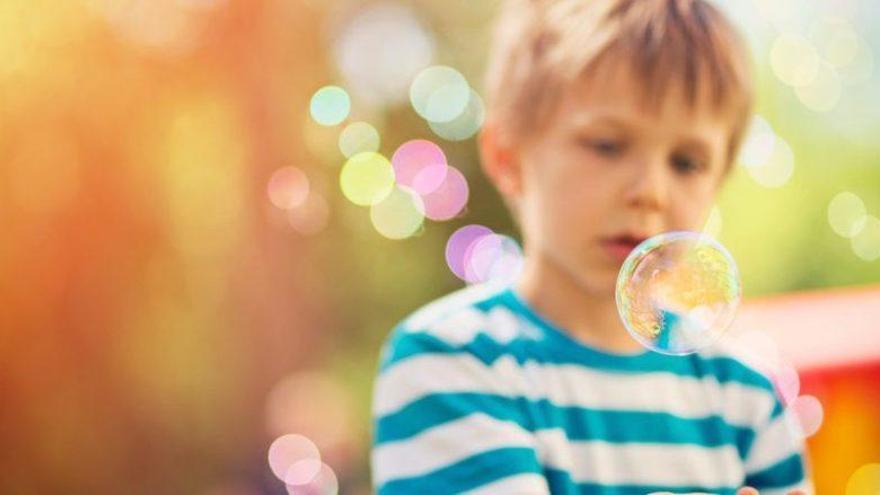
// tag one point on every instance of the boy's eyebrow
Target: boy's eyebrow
(698, 144)
(610, 120)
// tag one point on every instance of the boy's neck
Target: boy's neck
(587, 316)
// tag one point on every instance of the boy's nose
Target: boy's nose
(649, 187)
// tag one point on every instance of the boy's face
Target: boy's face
(606, 173)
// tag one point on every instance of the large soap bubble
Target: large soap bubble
(678, 292)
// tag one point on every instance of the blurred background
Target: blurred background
(203, 247)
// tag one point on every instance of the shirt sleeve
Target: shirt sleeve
(446, 421)
(776, 462)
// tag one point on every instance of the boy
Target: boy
(609, 121)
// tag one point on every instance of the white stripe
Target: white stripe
(779, 440)
(448, 305)
(520, 484)
(572, 385)
(664, 464)
(445, 444)
(684, 396)
(437, 373)
(640, 463)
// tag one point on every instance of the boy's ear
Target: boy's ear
(500, 161)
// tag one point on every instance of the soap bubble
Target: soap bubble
(678, 292)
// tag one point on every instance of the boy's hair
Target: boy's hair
(542, 46)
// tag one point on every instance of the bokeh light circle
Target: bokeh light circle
(324, 482)
(419, 165)
(399, 215)
(358, 137)
(375, 73)
(809, 413)
(757, 349)
(288, 187)
(449, 199)
(778, 169)
(866, 244)
(294, 459)
(847, 214)
(787, 382)
(861, 69)
(330, 105)
(823, 92)
(493, 257)
(311, 217)
(794, 60)
(758, 144)
(678, 292)
(439, 94)
(460, 244)
(864, 481)
(465, 125)
(366, 178)
(836, 40)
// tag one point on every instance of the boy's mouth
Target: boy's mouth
(619, 247)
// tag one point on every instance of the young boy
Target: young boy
(609, 121)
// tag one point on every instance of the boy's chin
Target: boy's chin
(599, 283)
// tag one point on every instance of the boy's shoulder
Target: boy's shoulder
(476, 319)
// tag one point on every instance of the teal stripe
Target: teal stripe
(436, 409)
(561, 483)
(467, 474)
(405, 345)
(784, 473)
(578, 423)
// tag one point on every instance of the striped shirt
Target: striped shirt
(477, 393)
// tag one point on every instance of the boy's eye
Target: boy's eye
(685, 164)
(605, 147)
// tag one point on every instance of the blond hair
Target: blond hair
(541, 46)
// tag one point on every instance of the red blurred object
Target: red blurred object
(833, 339)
